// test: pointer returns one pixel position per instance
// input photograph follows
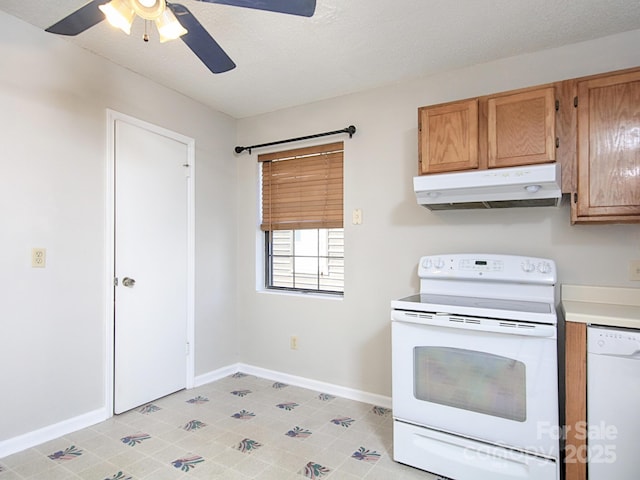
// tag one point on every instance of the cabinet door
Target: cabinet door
(448, 137)
(609, 149)
(521, 128)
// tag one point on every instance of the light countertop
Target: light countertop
(610, 306)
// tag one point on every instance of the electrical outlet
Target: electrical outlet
(38, 257)
(634, 270)
(293, 342)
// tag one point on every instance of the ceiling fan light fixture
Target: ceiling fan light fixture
(148, 9)
(119, 14)
(169, 27)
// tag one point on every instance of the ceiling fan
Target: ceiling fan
(173, 20)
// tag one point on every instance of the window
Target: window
(302, 218)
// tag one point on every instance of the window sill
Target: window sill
(291, 293)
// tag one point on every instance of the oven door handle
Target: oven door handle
(507, 327)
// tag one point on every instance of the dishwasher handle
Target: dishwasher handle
(627, 356)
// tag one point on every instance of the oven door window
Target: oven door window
(471, 380)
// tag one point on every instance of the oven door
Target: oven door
(478, 378)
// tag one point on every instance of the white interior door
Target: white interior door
(151, 264)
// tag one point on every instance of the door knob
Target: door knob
(128, 282)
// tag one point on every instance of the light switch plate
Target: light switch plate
(634, 270)
(357, 216)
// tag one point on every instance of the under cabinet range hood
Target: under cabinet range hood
(524, 186)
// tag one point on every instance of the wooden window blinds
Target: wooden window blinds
(303, 188)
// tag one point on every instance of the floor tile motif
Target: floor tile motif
(135, 439)
(199, 400)
(366, 455)
(150, 408)
(381, 411)
(315, 470)
(241, 393)
(244, 415)
(186, 464)
(120, 476)
(67, 454)
(287, 406)
(193, 425)
(238, 428)
(298, 432)
(343, 421)
(247, 445)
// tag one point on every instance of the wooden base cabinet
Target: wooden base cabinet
(608, 163)
(575, 384)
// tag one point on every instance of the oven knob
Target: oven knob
(439, 264)
(528, 266)
(427, 263)
(544, 267)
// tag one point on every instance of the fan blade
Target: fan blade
(304, 8)
(80, 20)
(200, 42)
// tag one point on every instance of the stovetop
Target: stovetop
(517, 310)
(425, 300)
(485, 285)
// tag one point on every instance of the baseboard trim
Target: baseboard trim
(51, 432)
(323, 387)
(216, 374)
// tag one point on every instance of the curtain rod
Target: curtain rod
(350, 130)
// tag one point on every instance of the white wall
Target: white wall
(348, 342)
(53, 101)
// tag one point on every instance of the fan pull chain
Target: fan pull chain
(145, 37)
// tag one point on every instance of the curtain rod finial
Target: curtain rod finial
(351, 130)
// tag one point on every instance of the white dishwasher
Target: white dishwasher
(613, 403)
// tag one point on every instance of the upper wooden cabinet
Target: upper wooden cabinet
(448, 136)
(597, 143)
(502, 130)
(521, 128)
(608, 149)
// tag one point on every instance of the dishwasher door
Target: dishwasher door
(613, 404)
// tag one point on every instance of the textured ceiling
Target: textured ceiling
(347, 46)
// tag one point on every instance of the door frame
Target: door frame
(112, 116)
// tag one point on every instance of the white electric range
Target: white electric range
(475, 369)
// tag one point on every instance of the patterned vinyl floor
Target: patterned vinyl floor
(237, 428)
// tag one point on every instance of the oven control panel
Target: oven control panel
(503, 268)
